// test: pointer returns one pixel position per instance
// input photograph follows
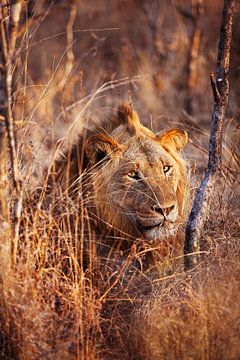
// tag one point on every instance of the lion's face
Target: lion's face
(138, 181)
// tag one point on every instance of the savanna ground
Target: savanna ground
(79, 60)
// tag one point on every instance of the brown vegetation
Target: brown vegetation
(54, 304)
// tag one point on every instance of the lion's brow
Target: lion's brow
(145, 149)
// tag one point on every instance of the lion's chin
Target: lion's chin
(160, 232)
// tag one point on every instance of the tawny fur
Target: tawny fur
(124, 172)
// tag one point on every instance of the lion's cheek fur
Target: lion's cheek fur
(111, 216)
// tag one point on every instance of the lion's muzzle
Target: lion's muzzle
(158, 222)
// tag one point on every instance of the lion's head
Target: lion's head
(136, 180)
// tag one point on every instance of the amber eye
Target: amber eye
(134, 175)
(166, 168)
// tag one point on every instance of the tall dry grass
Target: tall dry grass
(54, 306)
(57, 308)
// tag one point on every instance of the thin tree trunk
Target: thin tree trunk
(8, 33)
(202, 201)
(5, 233)
(5, 229)
(197, 14)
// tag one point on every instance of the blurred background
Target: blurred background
(89, 56)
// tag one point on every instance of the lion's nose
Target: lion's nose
(165, 211)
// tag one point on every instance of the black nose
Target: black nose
(165, 211)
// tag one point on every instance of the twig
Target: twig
(220, 88)
(216, 95)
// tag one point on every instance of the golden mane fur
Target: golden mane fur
(132, 181)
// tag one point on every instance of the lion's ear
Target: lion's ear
(174, 138)
(101, 146)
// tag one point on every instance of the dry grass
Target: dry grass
(53, 305)
(196, 316)
(55, 308)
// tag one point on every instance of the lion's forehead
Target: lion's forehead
(146, 150)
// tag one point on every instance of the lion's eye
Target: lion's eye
(134, 175)
(166, 168)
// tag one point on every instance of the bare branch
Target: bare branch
(196, 16)
(15, 13)
(70, 24)
(9, 36)
(204, 194)
(5, 239)
(216, 95)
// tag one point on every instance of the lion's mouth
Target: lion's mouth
(151, 227)
(158, 230)
(151, 222)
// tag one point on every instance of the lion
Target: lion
(133, 183)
